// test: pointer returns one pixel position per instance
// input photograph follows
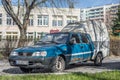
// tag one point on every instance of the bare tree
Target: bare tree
(28, 6)
(109, 19)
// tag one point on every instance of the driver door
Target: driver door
(76, 49)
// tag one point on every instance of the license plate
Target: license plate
(20, 62)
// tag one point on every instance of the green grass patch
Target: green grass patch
(113, 75)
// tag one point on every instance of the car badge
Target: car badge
(24, 54)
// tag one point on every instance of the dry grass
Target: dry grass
(114, 37)
(115, 45)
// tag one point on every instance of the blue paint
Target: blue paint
(73, 52)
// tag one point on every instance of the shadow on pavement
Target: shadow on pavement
(107, 65)
(18, 71)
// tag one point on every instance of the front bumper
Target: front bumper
(32, 62)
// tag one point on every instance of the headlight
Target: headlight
(43, 53)
(36, 54)
(14, 54)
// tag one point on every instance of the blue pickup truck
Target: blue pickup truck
(56, 51)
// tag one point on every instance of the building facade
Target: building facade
(48, 20)
(41, 20)
(102, 13)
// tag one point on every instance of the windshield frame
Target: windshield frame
(53, 40)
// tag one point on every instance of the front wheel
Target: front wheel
(58, 65)
(98, 59)
(26, 70)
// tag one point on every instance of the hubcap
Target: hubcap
(99, 59)
(59, 64)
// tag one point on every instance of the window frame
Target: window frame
(9, 20)
(57, 21)
(86, 37)
(0, 18)
(71, 19)
(42, 20)
(78, 39)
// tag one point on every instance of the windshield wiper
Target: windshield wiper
(39, 42)
(48, 41)
(53, 42)
(56, 42)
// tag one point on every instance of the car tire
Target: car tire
(98, 59)
(26, 70)
(58, 64)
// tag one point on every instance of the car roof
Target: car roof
(70, 33)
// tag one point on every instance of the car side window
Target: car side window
(76, 38)
(84, 38)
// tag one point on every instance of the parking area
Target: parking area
(109, 63)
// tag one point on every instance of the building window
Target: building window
(14, 23)
(71, 19)
(31, 20)
(30, 35)
(42, 20)
(0, 19)
(45, 20)
(0, 36)
(54, 23)
(60, 23)
(9, 20)
(39, 35)
(57, 21)
(11, 35)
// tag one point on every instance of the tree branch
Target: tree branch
(18, 8)
(43, 1)
(26, 3)
(8, 8)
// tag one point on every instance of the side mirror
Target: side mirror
(72, 41)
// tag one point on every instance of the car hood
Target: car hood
(36, 48)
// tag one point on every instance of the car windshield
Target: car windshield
(54, 38)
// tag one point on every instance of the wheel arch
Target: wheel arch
(99, 52)
(94, 55)
(98, 59)
(63, 56)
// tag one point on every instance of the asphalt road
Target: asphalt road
(109, 63)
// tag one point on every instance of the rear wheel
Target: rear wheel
(98, 59)
(58, 65)
(26, 70)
